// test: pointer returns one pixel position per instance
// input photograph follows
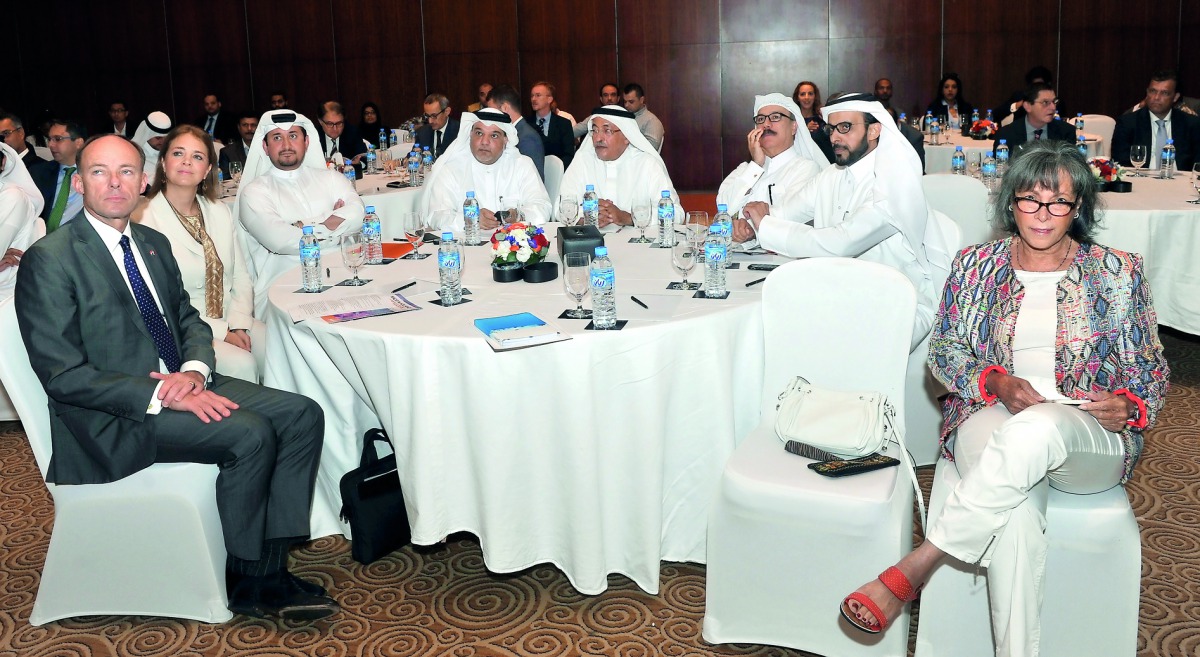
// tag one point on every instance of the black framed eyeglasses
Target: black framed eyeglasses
(773, 117)
(1055, 208)
(437, 113)
(842, 128)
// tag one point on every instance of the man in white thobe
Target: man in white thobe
(285, 187)
(489, 164)
(869, 205)
(20, 204)
(149, 137)
(782, 161)
(624, 167)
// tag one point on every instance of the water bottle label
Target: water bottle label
(449, 260)
(603, 279)
(1002, 156)
(591, 205)
(310, 252)
(989, 169)
(471, 213)
(714, 252)
(368, 230)
(666, 211)
(726, 228)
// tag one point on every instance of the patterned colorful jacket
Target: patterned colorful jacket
(1107, 336)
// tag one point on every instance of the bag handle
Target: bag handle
(889, 414)
(369, 453)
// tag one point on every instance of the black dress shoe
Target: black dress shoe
(283, 595)
(311, 588)
(245, 595)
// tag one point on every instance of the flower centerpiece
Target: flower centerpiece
(516, 245)
(1108, 174)
(982, 129)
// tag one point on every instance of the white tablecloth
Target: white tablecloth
(390, 204)
(598, 454)
(937, 158)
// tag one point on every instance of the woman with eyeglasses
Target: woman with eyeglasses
(948, 103)
(1048, 343)
(182, 204)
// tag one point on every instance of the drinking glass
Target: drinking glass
(415, 229)
(575, 281)
(683, 258)
(568, 209)
(1196, 183)
(975, 164)
(235, 172)
(641, 220)
(354, 254)
(385, 160)
(1137, 156)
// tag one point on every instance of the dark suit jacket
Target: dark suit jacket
(424, 137)
(530, 143)
(235, 152)
(45, 176)
(1015, 134)
(560, 141)
(30, 158)
(915, 138)
(1134, 128)
(91, 350)
(225, 130)
(964, 109)
(350, 144)
(818, 135)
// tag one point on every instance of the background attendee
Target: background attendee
(913, 136)
(149, 137)
(278, 100)
(237, 150)
(949, 102)
(610, 94)
(440, 126)
(183, 205)
(633, 97)
(220, 125)
(60, 200)
(119, 122)
(20, 204)
(481, 95)
(1035, 75)
(338, 136)
(1154, 124)
(883, 92)
(12, 132)
(372, 123)
(1018, 327)
(1038, 122)
(506, 99)
(555, 131)
(807, 97)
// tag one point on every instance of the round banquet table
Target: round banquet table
(937, 158)
(598, 454)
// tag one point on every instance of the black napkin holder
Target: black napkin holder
(578, 239)
(540, 272)
(1118, 186)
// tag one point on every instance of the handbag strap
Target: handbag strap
(369, 453)
(889, 414)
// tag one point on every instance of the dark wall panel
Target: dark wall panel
(871, 40)
(774, 20)
(292, 48)
(469, 42)
(649, 23)
(380, 58)
(209, 54)
(556, 47)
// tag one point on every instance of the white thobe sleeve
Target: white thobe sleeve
(735, 185)
(535, 203)
(444, 192)
(856, 233)
(241, 303)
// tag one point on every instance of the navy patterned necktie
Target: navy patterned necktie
(150, 315)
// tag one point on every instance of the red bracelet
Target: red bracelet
(1140, 420)
(987, 396)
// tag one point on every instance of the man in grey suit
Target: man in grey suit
(127, 363)
(507, 100)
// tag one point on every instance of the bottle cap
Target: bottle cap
(347, 162)
(988, 154)
(1079, 115)
(666, 193)
(590, 188)
(307, 230)
(1170, 142)
(957, 149)
(470, 194)
(601, 251)
(447, 236)
(1003, 142)
(370, 209)
(721, 207)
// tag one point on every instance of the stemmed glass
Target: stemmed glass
(568, 209)
(354, 254)
(575, 281)
(697, 229)
(641, 220)
(235, 172)
(1196, 183)
(683, 258)
(385, 160)
(1137, 156)
(975, 164)
(419, 229)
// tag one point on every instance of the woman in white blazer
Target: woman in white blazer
(182, 204)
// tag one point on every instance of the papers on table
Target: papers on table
(347, 309)
(519, 330)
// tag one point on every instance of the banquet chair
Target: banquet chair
(1103, 127)
(7, 410)
(922, 410)
(963, 199)
(554, 174)
(785, 544)
(1093, 579)
(148, 545)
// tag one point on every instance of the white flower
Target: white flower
(523, 254)
(520, 235)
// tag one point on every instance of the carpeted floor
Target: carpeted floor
(442, 601)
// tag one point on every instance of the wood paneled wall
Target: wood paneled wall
(701, 61)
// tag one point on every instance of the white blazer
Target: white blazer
(239, 291)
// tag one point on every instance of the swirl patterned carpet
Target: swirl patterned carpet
(442, 601)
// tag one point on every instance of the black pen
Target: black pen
(404, 287)
(756, 282)
(639, 302)
(770, 196)
(327, 274)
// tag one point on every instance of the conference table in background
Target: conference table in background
(598, 454)
(937, 158)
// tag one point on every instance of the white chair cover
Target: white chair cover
(147, 545)
(1093, 579)
(1103, 127)
(963, 199)
(784, 544)
(554, 174)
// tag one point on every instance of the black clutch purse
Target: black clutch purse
(578, 239)
(373, 503)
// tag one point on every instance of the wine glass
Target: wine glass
(235, 172)
(568, 209)
(641, 220)
(354, 254)
(1137, 156)
(416, 228)
(575, 281)
(1196, 183)
(683, 258)
(385, 160)
(975, 164)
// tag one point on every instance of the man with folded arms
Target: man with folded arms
(285, 187)
(487, 163)
(869, 205)
(127, 365)
(624, 167)
(1038, 122)
(1155, 123)
(783, 159)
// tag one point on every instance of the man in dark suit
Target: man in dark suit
(440, 128)
(61, 201)
(119, 121)
(506, 99)
(914, 136)
(556, 132)
(236, 152)
(220, 125)
(1038, 123)
(12, 132)
(338, 136)
(1156, 122)
(127, 364)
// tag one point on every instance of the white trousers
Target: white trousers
(996, 515)
(239, 363)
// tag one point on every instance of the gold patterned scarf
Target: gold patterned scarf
(214, 270)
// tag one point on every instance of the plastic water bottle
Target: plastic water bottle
(310, 261)
(414, 167)
(974, 116)
(935, 132)
(1081, 144)
(1002, 158)
(1079, 123)
(958, 161)
(371, 158)
(471, 220)
(927, 124)
(666, 220)
(450, 269)
(903, 118)
(1166, 161)
(1057, 117)
(591, 206)
(372, 237)
(383, 140)
(602, 280)
(393, 139)
(725, 223)
(988, 170)
(989, 115)
(716, 250)
(348, 171)
(426, 162)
